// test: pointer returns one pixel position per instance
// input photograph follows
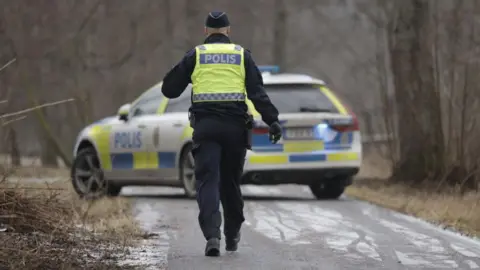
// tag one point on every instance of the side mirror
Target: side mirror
(123, 112)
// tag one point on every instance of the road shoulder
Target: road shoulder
(447, 210)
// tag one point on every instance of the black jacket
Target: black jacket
(179, 77)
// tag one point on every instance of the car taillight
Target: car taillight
(353, 126)
(356, 124)
(260, 130)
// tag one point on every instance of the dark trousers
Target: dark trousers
(219, 153)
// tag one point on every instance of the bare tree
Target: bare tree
(280, 33)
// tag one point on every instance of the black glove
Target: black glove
(275, 132)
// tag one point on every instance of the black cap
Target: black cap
(217, 19)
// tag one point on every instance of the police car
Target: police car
(148, 142)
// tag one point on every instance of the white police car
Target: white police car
(149, 142)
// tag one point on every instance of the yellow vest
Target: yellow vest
(219, 73)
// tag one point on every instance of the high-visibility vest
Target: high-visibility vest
(219, 73)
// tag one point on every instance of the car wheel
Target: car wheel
(327, 190)
(88, 179)
(187, 172)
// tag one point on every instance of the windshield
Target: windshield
(297, 98)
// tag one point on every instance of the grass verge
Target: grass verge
(447, 209)
(46, 226)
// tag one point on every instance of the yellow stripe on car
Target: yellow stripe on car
(145, 160)
(163, 106)
(187, 133)
(298, 147)
(101, 137)
(347, 156)
(268, 159)
(300, 158)
(336, 102)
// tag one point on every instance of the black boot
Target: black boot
(232, 242)
(212, 249)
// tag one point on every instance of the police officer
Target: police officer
(222, 75)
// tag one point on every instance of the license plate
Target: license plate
(299, 133)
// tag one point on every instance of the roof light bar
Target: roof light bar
(271, 69)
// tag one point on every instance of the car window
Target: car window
(148, 102)
(150, 106)
(182, 103)
(296, 98)
(155, 90)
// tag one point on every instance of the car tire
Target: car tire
(325, 191)
(88, 179)
(187, 172)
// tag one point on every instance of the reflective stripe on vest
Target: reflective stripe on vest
(219, 73)
(218, 97)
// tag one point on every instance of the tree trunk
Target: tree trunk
(280, 34)
(47, 155)
(191, 13)
(418, 105)
(167, 16)
(12, 144)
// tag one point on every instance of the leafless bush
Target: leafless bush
(40, 231)
(39, 226)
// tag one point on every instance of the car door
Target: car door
(131, 141)
(172, 126)
(126, 140)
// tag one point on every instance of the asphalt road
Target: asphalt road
(287, 229)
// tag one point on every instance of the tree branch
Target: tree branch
(8, 122)
(8, 64)
(36, 108)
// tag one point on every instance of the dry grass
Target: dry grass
(447, 208)
(36, 171)
(49, 227)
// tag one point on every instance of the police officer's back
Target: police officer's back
(222, 75)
